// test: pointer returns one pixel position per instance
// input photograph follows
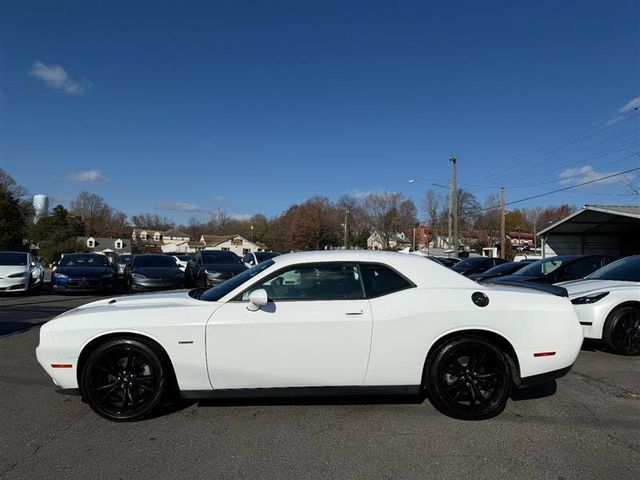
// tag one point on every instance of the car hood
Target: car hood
(163, 300)
(586, 287)
(157, 272)
(6, 270)
(225, 267)
(83, 272)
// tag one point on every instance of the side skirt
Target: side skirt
(300, 392)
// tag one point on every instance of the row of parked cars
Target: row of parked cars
(150, 272)
(605, 291)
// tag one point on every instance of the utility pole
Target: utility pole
(454, 188)
(503, 240)
(450, 211)
(346, 213)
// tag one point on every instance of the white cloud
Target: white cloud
(240, 216)
(631, 105)
(218, 198)
(180, 206)
(573, 176)
(615, 120)
(92, 176)
(56, 77)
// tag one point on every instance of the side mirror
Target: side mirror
(257, 299)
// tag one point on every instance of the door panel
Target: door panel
(289, 344)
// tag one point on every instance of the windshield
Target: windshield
(469, 263)
(13, 258)
(83, 260)
(505, 268)
(216, 293)
(625, 269)
(153, 261)
(183, 258)
(220, 257)
(262, 256)
(541, 267)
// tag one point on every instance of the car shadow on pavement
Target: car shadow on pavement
(595, 346)
(534, 391)
(311, 400)
(11, 328)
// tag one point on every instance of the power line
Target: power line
(558, 145)
(566, 188)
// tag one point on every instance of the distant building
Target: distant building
(40, 206)
(396, 241)
(106, 245)
(230, 243)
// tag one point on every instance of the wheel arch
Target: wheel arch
(490, 335)
(152, 342)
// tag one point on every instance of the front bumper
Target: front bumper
(20, 284)
(83, 285)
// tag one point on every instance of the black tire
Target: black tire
(468, 378)
(621, 332)
(123, 380)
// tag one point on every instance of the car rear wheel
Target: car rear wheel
(123, 380)
(622, 331)
(468, 378)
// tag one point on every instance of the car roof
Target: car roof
(420, 270)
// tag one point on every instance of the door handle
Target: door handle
(351, 314)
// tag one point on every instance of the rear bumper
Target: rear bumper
(544, 377)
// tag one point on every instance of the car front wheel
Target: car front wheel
(622, 331)
(468, 378)
(123, 380)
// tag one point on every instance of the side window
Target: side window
(582, 268)
(380, 280)
(247, 258)
(313, 282)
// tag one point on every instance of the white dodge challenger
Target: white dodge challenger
(608, 305)
(317, 323)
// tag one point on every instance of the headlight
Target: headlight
(138, 276)
(587, 299)
(19, 275)
(213, 274)
(60, 276)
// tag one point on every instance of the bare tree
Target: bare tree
(389, 213)
(434, 210)
(93, 211)
(152, 221)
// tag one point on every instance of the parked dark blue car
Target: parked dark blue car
(83, 272)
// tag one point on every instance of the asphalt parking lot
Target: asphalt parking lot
(585, 425)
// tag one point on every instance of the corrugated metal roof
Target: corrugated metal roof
(596, 218)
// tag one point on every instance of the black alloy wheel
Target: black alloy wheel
(469, 378)
(123, 380)
(622, 331)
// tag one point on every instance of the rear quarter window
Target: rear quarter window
(381, 280)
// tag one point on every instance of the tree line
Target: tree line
(316, 223)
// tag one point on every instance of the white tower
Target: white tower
(40, 206)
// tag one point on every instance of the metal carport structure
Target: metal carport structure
(595, 230)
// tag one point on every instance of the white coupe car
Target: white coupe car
(317, 322)
(608, 305)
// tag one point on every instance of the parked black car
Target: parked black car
(501, 270)
(446, 261)
(153, 272)
(473, 265)
(82, 272)
(558, 269)
(212, 267)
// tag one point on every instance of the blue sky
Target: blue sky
(180, 108)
